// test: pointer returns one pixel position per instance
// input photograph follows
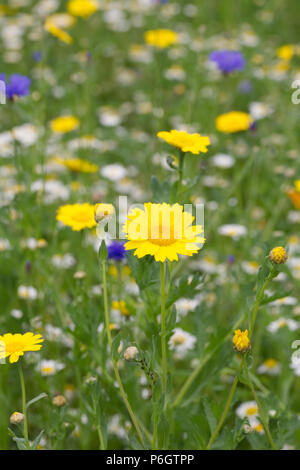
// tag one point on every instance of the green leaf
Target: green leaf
(211, 419)
(37, 440)
(34, 400)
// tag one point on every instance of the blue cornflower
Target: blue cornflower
(37, 56)
(228, 61)
(116, 250)
(245, 86)
(18, 85)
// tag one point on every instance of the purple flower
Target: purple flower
(18, 85)
(228, 61)
(116, 251)
(245, 86)
(37, 56)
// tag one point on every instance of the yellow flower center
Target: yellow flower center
(270, 363)
(48, 370)
(179, 339)
(251, 411)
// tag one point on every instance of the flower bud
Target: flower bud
(240, 341)
(103, 212)
(59, 400)
(16, 418)
(131, 353)
(278, 255)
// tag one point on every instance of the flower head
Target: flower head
(17, 85)
(14, 346)
(163, 231)
(77, 165)
(77, 216)
(194, 143)
(16, 417)
(161, 38)
(131, 353)
(241, 341)
(116, 250)
(294, 194)
(103, 211)
(234, 121)
(228, 61)
(278, 255)
(64, 124)
(82, 8)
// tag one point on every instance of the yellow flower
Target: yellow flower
(160, 38)
(51, 27)
(83, 8)
(241, 341)
(286, 52)
(121, 307)
(194, 143)
(64, 124)
(163, 231)
(294, 197)
(278, 255)
(14, 346)
(78, 165)
(103, 211)
(234, 121)
(297, 185)
(77, 216)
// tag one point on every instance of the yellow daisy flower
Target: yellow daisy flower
(194, 143)
(235, 121)
(163, 231)
(77, 216)
(64, 124)
(14, 346)
(286, 52)
(160, 38)
(82, 8)
(78, 165)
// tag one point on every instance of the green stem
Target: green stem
(201, 364)
(101, 440)
(257, 302)
(107, 323)
(180, 168)
(225, 411)
(22, 381)
(163, 328)
(105, 298)
(260, 409)
(127, 404)
(254, 311)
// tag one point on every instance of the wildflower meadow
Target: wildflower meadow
(149, 225)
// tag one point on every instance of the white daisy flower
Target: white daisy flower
(181, 342)
(27, 292)
(269, 367)
(234, 231)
